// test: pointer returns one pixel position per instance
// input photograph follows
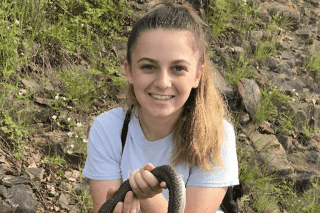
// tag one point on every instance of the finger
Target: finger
(138, 206)
(128, 201)
(111, 192)
(141, 183)
(118, 208)
(135, 207)
(151, 180)
(163, 184)
(148, 167)
(134, 185)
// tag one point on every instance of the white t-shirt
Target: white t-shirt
(106, 162)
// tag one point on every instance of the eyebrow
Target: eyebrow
(154, 61)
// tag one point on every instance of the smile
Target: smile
(161, 97)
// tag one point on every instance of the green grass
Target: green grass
(237, 69)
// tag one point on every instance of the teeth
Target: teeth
(161, 97)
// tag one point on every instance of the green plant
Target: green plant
(313, 63)
(60, 173)
(15, 133)
(237, 69)
(275, 105)
(81, 88)
(265, 49)
(55, 160)
(281, 21)
(230, 15)
(84, 196)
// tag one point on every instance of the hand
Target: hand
(130, 204)
(144, 184)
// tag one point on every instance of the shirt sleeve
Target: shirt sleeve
(220, 177)
(104, 149)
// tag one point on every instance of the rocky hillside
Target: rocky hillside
(267, 68)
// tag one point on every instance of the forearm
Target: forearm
(156, 204)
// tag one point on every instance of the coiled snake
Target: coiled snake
(175, 184)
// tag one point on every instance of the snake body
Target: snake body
(175, 184)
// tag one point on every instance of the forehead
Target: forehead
(165, 40)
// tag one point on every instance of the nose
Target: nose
(163, 79)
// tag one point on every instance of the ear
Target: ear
(127, 69)
(198, 77)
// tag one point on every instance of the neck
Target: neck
(157, 128)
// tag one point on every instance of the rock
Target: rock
(305, 161)
(22, 196)
(6, 209)
(31, 84)
(265, 128)
(222, 85)
(3, 192)
(300, 120)
(35, 174)
(10, 181)
(244, 118)
(304, 180)
(64, 201)
(3, 169)
(271, 153)
(286, 142)
(304, 33)
(316, 115)
(250, 94)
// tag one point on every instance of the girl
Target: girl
(177, 119)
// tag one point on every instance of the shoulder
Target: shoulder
(113, 115)
(228, 127)
(108, 124)
(110, 119)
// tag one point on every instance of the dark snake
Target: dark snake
(175, 184)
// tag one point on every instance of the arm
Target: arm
(99, 191)
(103, 190)
(149, 192)
(199, 200)
(204, 199)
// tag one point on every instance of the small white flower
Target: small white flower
(20, 92)
(57, 96)
(69, 119)
(79, 124)
(64, 98)
(270, 92)
(17, 22)
(293, 99)
(69, 152)
(275, 87)
(82, 25)
(85, 141)
(54, 117)
(297, 94)
(70, 134)
(76, 136)
(293, 90)
(72, 146)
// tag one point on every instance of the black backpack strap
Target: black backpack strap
(125, 127)
(229, 205)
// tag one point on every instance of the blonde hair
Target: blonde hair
(199, 131)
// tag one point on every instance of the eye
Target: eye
(147, 67)
(179, 68)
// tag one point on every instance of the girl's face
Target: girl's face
(163, 71)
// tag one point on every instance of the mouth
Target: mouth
(161, 97)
